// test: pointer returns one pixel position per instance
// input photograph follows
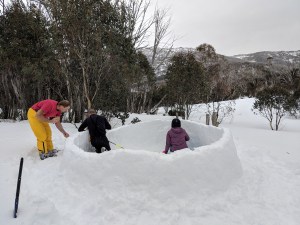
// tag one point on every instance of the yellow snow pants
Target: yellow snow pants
(42, 131)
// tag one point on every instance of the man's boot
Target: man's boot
(52, 153)
(42, 155)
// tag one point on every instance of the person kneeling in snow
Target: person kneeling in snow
(96, 125)
(176, 137)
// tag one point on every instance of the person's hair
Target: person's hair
(91, 111)
(64, 103)
(176, 123)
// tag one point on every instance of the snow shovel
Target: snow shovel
(117, 145)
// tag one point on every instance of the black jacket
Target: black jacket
(96, 125)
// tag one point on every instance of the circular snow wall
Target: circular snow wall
(213, 163)
(151, 136)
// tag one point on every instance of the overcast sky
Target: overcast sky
(236, 26)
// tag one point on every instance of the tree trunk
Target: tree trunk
(85, 88)
(156, 106)
(207, 119)
(70, 96)
(271, 125)
(214, 119)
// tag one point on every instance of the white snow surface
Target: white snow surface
(241, 173)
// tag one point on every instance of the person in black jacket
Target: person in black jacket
(97, 125)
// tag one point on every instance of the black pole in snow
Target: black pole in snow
(18, 188)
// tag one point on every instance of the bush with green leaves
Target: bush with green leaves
(273, 104)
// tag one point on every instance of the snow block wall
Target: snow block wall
(212, 164)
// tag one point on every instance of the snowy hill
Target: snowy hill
(142, 186)
(245, 64)
(283, 58)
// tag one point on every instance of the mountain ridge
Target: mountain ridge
(278, 59)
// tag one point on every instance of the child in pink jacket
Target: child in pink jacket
(176, 137)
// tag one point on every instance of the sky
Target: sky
(235, 26)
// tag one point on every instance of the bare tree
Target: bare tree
(218, 111)
(162, 46)
(2, 4)
(141, 25)
(138, 22)
(163, 42)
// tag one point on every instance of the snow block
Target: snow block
(212, 164)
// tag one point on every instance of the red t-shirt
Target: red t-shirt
(48, 106)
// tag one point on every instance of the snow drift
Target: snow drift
(140, 185)
(212, 165)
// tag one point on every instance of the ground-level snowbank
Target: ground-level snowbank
(212, 166)
(78, 188)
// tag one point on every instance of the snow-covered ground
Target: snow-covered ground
(140, 185)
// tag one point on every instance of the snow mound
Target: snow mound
(212, 165)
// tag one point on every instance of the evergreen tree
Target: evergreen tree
(185, 80)
(25, 58)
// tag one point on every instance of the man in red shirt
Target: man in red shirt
(39, 117)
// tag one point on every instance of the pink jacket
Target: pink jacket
(176, 139)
